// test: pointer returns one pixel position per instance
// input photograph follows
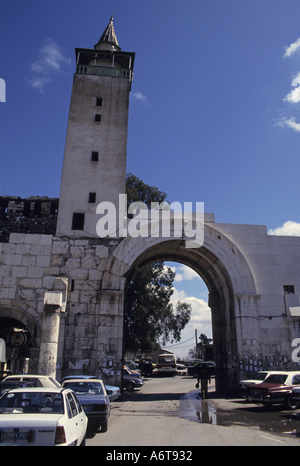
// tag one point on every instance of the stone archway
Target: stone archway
(219, 262)
(14, 322)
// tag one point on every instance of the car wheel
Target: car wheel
(291, 404)
(104, 426)
(130, 387)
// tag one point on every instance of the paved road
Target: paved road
(167, 412)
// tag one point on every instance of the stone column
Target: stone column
(50, 334)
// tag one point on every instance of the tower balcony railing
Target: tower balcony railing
(104, 71)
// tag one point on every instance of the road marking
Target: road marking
(273, 440)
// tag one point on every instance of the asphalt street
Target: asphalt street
(167, 412)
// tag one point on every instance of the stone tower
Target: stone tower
(94, 167)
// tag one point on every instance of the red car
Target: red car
(277, 389)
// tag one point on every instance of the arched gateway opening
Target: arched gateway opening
(22, 339)
(228, 277)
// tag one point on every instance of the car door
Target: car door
(81, 422)
(73, 420)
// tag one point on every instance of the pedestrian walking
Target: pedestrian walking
(204, 377)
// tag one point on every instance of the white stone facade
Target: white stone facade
(246, 271)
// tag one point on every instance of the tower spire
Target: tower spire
(108, 40)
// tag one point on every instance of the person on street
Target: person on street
(204, 376)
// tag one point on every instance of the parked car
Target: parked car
(37, 380)
(181, 369)
(132, 380)
(92, 396)
(276, 389)
(197, 368)
(258, 378)
(41, 417)
(6, 386)
(133, 369)
(113, 392)
(166, 365)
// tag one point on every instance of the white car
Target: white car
(259, 377)
(41, 417)
(37, 380)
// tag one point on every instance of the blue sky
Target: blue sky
(214, 117)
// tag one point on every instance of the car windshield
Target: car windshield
(85, 388)
(260, 376)
(31, 403)
(277, 378)
(166, 359)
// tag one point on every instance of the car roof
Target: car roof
(14, 382)
(17, 376)
(82, 380)
(37, 389)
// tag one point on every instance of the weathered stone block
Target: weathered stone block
(102, 252)
(60, 247)
(23, 249)
(28, 261)
(17, 238)
(31, 283)
(35, 272)
(15, 259)
(20, 272)
(43, 261)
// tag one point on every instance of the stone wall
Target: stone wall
(253, 280)
(90, 335)
(36, 215)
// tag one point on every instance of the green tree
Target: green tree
(138, 191)
(149, 314)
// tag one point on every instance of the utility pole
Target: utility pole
(196, 338)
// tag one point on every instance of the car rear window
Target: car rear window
(277, 378)
(296, 380)
(31, 403)
(85, 388)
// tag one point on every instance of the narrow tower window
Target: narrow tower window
(98, 118)
(27, 206)
(37, 209)
(95, 156)
(289, 289)
(99, 102)
(92, 198)
(78, 221)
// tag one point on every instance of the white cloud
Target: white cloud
(200, 320)
(201, 313)
(289, 51)
(289, 123)
(293, 97)
(184, 273)
(50, 62)
(39, 82)
(139, 97)
(288, 229)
